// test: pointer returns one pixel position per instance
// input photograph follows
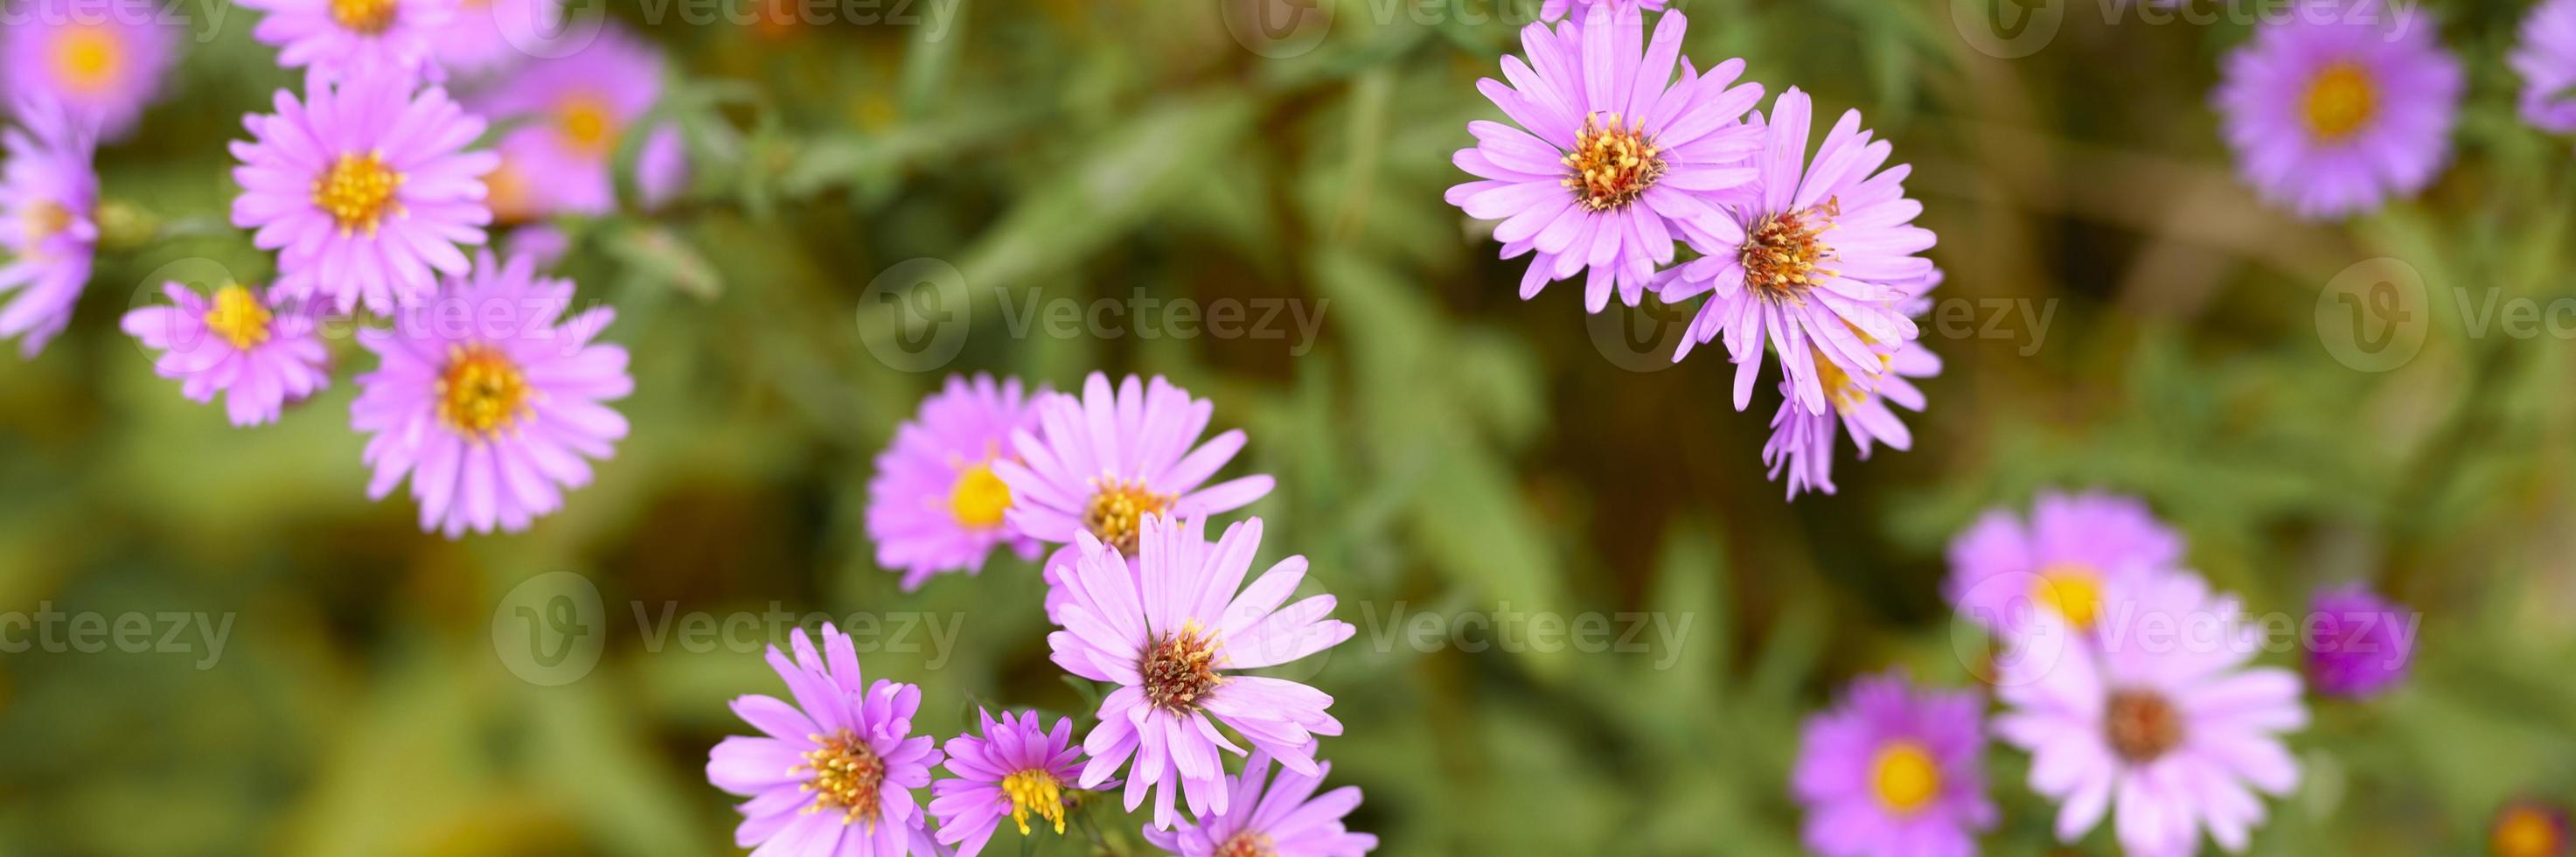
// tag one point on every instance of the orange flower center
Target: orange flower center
(357, 191)
(365, 17)
(846, 777)
(481, 392)
(86, 59)
(238, 317)
(2340, 100)
(1784, 255)
(1612, 164)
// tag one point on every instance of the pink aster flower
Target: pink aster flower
(365, 190)
(489, 402)
(489, 35)
(1099, 462)
(101, 60)
(2333, 110)
(2168, 731)
(259, 354)
(1015, 769)
(48, 203)
(355, 39)
(1614, 157)
(2358, 643)
(1172, 632)
(1557, 9)
(1280, 817)
(1818, 260)
(1895, 771)
(581, 107)
(2546, 59)
(2004, 573)
(935, 504)
(832, 775)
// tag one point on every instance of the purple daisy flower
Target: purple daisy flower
(1614, 156)
(2166, 730)
(1015, 769)
(259, 354)
(100, 60)
(935, 504)
(364, 189)
(581, 106)
(2332, 110)
(1171, 632)
(2546, 59)
(355, 39)
(488, 402)
(2003, 575)
(2358, 643)
(833, 774)
(1819, 259)
(1895, 771)
(1553, 10)
(49, 193)
(1100, 462)
(1283, 817)
(489, 35)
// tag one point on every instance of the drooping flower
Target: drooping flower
(1098, 463)
(489, 35)
(1614, 157)
(1814, 263)
(833, 774)
(355, 39)
(1894, 770)
(100, 60)
(2004, 574)
(2333, 110)
(260, 354)
(1802, 443)
(365, 190)
(580, 107)
(2526, 828)
(935, 504)
(2169, 731)
(1172, 632)
(1016, 769)
(489, 400)
(48, 210)
(1263, 816)
(2358, 643)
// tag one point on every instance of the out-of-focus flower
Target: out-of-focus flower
(1895, 771)
(1558, 9)
(342, 39)
(2528, 829)
(1098, 463)
(489, 35)
(2004, 575)
(2358, 643)
(1171, 632)
(1016, 769)
(580, 107)
(1283, 818)
(48, 221)
(101, 60)
(935, 504)
(832, 775)
(259, 354)
(488, 401)
(2546, 59)
(2336, 107)
(364, 189)
(1614, 158)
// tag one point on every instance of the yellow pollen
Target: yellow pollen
(588, 125)
(238, 317)
(2339, 101)
(1904, 777)
(364, 17)
(1180, 669)
(1117, 511)
(1840, 387)
(845, 776)
(1036, 791)
(357, 192)
(481, 392)
(1784, 255)
(86, 59)
(979, 498)
(2527, 831)
(42, 221)
(1247, 844)
(1612, 164)
(2070, 590)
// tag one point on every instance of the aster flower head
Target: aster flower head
(1263, 816)
(1015, 769)
(365, 190)
(2169, 732)
(2339, 106)
(1554, 10)
(1100, 462)
(833, 774)
(2005, 573)
(1895, 770)
(1610, 156)
(580, 107)
(48, 221)
(489, 400)
(2546, 60)
(260, 353)
(935, 504)
(2358, 644)
(1815, 262)
(489, 35)
(1173, 632)
(355, 39)
(2529, 828)
(100, 60)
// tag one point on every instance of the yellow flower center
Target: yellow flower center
(846, 776)
(2070, 590)
(481, 392)
(588, 125)
(87, 58)
(1117, 510)
(1783, 256)
(2340, 100)
(507, 190)
(1612, 164)
(2526, 831)
(1035, 791)
(365, 17)
(238, 317)
(1247, 844)
(42, 221)
(357, 192)
(979, 498)
(1904, 777)
(1180, 669)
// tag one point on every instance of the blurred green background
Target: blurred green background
(1442, 447)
